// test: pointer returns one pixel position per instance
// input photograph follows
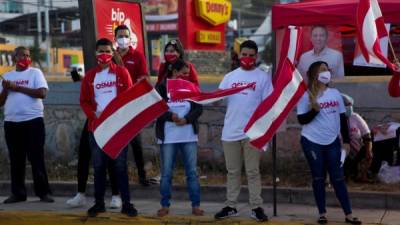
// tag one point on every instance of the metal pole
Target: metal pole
(274, 189)
(39, 23)
(47, 31)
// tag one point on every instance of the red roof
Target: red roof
(328, 12)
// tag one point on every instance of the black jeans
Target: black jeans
(84, 156)
(26, 140)
(137, 149)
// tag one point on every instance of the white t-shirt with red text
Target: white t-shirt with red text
(358, 128)
(325, 127)
(20, 107)
(241, 106)
(178, 134)
(105, 89)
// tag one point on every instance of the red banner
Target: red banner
(112, 13)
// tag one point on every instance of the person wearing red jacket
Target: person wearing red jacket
(135, 62)
(172, 51)
(99, 87)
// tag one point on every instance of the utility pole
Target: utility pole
(47, 31)
(39, 23)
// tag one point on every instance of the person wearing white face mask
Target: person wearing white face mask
(135, 62)
(321, 112)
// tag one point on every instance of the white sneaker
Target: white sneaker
(115, 202)
(78, 201)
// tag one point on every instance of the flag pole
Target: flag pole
(396, 60)
(274, 185)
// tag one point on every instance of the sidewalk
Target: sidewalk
(35, 212)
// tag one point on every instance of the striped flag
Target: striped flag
(289, 87)
(370, 29)
(126, 116)
(185, 90)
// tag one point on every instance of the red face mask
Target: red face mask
(104, 58)
(170, 57)
(24, 63)
(247, 63)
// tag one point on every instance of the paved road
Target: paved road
(34, 212)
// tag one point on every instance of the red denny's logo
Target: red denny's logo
(105, 84)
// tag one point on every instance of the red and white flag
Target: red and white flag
(185, 90)
(370, 29)
(126, 115)
(289, 87)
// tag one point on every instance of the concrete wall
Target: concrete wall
(64, 121)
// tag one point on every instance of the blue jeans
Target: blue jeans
(322, 158)
(188, 152)
(100, 162)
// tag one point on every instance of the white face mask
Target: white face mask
(324, 77)
(124, 42)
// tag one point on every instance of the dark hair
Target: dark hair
(17, 50)
(121, 27)
(249, 44)
(312, 74)
(177, 46)
(177, 65)
(104, 41)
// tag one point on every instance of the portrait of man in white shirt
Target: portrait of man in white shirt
(321, 52)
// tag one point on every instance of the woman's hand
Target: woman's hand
(181, 122)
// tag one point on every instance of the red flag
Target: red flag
(370, 29)
(289, 86)
(185, 90)
(126, 116)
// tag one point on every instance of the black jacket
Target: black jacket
(195, 112)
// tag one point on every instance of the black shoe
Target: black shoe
(258, 214)
(14, 199)
(96, 209)
(226, 212)
(129, 210)
(322, 220)
(144, 182)
(354, 220)
(46, 198)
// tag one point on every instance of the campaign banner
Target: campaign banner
(112, 13)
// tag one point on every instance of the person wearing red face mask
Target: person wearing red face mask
(173, 51)
(22, 91)
(99, 87)
(240, 107)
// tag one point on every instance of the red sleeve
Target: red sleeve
(161, 72)
(85, 98)
(141, 67)
(126, 78)
(193, 74)
(394, 87)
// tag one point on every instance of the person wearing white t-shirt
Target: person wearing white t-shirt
(176, 131)
(22, 91)
(240, 107)
(360, 156)
(99, 87)
(321, 52)
(321, 113)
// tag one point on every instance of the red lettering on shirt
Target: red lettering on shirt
(105, 84)
(244, 83)
(329, 104)
(22, 82)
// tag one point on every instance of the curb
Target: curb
(216, 193)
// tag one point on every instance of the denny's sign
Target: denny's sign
(215, 12)
(201, 23)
